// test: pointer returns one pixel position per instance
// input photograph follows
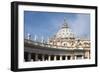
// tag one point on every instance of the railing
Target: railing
(49, 45)
(44, 44)
(37, 43)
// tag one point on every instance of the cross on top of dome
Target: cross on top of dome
(65, 24)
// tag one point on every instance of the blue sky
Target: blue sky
(46, 24)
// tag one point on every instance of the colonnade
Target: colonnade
(45, 57)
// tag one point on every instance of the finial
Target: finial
(42, 39)
(35, 38)
(28, 36)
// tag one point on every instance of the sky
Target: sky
(46, 24)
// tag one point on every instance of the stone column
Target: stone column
(29, 56)
(28, 36)
(49, 57)
(71, 57)
(87, 55)
(42, 57)
(36, 57)
(54, 58)
(60, 57)
(31, 60)
(75, 57)
(65, 57)
(82, 56)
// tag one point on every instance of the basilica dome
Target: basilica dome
(64, 31)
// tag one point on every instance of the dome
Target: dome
(65, 31)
